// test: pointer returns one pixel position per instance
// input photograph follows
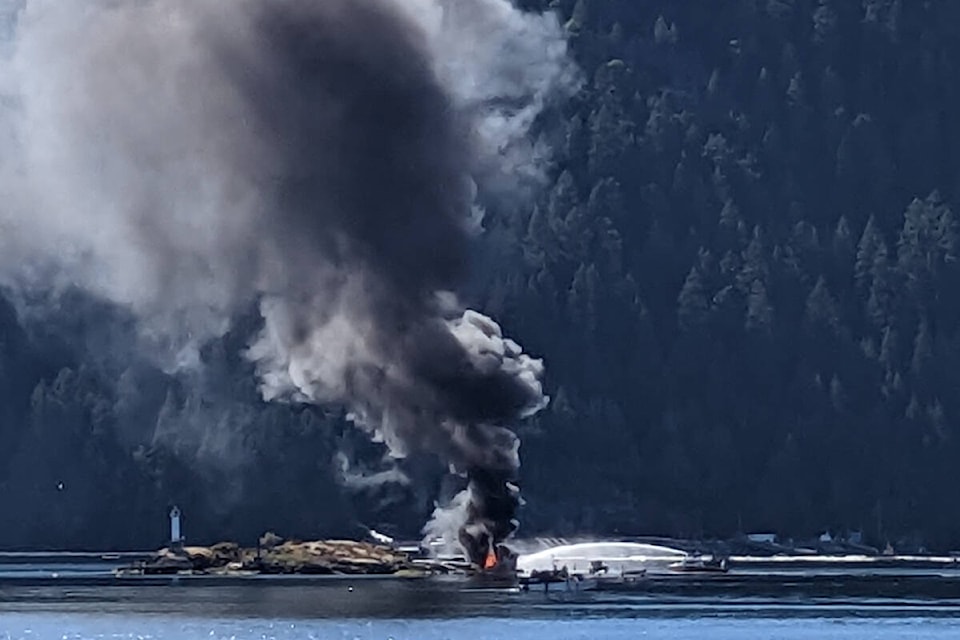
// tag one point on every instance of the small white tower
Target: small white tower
(175, 537)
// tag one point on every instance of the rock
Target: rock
(200, 557)
(270, 540)
(278, 556)
(225, 553)
(166, 562)
(329, 557)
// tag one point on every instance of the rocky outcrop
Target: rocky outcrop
(276, 556)
(329, 557)
(165, 562)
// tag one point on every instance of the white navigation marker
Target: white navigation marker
(175, 537)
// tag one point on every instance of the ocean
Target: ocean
(87, 603)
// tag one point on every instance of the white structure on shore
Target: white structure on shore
(619, 558)
(175, 534)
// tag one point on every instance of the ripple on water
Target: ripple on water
(265, 609)
(47, 626)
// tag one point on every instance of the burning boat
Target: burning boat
(500, 564)
(499, 568)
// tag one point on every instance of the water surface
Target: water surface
(805, 605)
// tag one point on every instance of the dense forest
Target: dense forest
(742, 279)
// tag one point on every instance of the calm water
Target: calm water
(62, 627)
(787, 607)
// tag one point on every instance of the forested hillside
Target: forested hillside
(745, 276)
(743, 279)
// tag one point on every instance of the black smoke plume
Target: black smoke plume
(185, 158)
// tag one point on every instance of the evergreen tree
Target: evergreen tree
(759, 309)
(870, 246)
(692, 301)
(821, 307)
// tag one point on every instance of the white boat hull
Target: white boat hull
(572, 584)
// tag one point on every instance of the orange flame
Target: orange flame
(491, 560)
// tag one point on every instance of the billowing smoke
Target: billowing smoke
(186, 158)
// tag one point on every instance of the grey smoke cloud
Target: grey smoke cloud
(359, 480)
(186, 158)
